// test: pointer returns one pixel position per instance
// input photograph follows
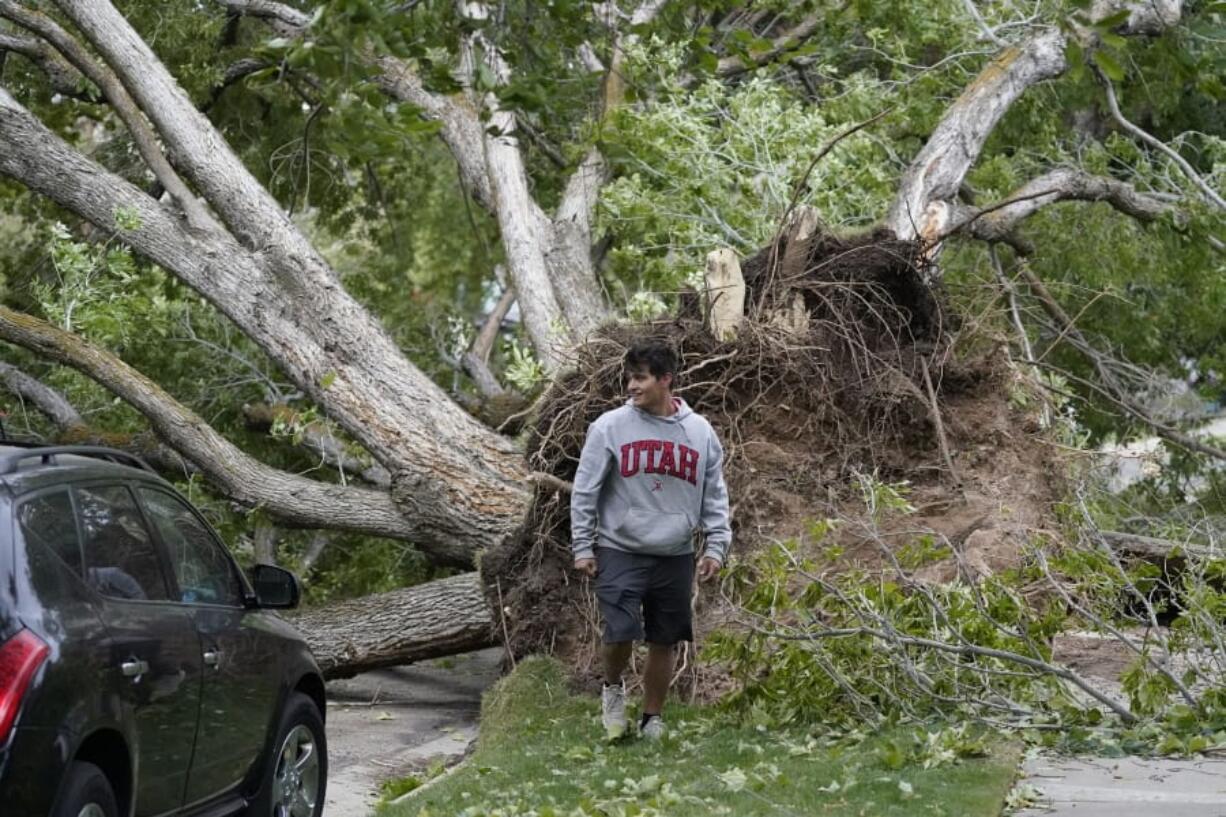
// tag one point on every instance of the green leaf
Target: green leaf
(327, 380)
(1109, 65)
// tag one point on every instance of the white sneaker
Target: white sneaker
(654, 728)
(613, 710)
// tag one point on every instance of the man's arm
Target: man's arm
(715, 523)
(594, 463)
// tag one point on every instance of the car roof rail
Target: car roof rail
(10, 461)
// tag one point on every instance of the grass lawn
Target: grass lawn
(541, 753)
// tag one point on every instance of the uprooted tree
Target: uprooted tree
(450, 485)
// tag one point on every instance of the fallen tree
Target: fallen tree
(445, 482)
(431, 620)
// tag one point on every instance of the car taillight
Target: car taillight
(20, 658)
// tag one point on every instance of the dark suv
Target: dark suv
(140, 672)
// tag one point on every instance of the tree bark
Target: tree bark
(293, 499)
(47, 400)
(442, 617)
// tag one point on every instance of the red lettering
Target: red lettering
(630, 469)
(653, 464)
(667, 463)
(689, 465)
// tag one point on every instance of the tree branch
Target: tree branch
(71, 428)
(733, 66)
(285, 20)
(144, 138)
(462, 130)
(63, 77)
(920, 209)
(317, 439)
(293, 499)
(442, 617)
(1210, 194)
(462, 483)
(47, 400)
(998, 221)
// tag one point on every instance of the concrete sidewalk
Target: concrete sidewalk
(1126, 787)
(390, 723)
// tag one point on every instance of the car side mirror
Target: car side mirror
(275, 587)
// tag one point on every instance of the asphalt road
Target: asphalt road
(388, 724)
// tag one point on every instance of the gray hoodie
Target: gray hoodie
(646, 483)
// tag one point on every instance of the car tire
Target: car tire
(296, 769)
(85, 793)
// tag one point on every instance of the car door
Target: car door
(153, 649)
(241, 681)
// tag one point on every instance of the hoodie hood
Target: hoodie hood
(681, 410)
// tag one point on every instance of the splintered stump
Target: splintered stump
(430, 620)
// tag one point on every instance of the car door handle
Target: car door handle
(212, 658)
(134, 669)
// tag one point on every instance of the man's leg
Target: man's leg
(657, 674)
(616, 657)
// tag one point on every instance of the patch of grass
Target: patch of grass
(541, 753)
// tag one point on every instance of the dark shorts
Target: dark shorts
(644, 597)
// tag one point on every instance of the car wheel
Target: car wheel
(85, 793)
(296, 774)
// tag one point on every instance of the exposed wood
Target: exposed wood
(935, 175)
(439, 618)
(725, 294)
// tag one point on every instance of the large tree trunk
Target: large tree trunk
(430, 620)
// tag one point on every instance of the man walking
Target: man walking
(650, 475)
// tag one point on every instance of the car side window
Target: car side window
(205, 573)
(47, 522)
(121, 560)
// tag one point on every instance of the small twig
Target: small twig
(940, 425)
(502, 617)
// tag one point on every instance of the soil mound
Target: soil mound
(845, 349)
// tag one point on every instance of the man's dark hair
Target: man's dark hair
(658, 357)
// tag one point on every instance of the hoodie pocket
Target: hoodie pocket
(655, 529)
